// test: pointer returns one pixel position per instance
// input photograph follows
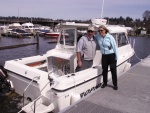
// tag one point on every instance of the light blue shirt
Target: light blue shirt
(107, 44)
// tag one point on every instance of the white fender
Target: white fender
(127, 67)
(75, 97)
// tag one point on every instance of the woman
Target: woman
(109, 55)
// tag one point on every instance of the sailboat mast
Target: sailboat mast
(18, 14)
(102, 9)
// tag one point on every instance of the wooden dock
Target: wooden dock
(133, 95)
(16, 46)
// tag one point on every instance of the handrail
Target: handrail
(38, 77)
(34, 105)
(40, 97)
(33, 101)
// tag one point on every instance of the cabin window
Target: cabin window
(122, 39)
(115, 37)
(67, 37)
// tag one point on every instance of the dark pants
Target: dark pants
(85, 65)
(109, 60)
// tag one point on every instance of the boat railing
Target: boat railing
(34, 78)
(34, 102)
(39, 98)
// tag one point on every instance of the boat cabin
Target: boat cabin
(29, 27)
(63, 57)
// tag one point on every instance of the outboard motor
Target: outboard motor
(3, 73)
(5, 86)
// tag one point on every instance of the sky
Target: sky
(74, 9)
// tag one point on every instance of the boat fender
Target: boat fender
(127, 67)
(75, 97)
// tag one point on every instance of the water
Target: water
(9, 104)
(142, 48)
(22, 52)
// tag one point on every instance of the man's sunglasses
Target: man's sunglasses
(90, 31)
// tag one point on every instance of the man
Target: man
(86, 50)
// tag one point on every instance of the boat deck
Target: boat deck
(133, 95)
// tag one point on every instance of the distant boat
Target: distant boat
(3, 30)
(44, 29)
(52, 34)
(19, 33)
(14, 26)
(55, 35)
(29, 27)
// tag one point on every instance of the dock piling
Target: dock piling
(0, 34)
(37, 39)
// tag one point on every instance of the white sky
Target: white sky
(74, 9)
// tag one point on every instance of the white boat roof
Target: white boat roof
(3, 26)
(27, 24)
(14, 24)
(116, 29)
(129, 28)
(73, 24)
(111, 28)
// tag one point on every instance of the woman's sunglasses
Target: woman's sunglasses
(100, 30)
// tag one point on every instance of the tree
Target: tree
(146, 15)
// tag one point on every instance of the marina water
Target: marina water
(9, 104)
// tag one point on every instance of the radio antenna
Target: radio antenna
(102, 9)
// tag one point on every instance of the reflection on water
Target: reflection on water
(9, 104)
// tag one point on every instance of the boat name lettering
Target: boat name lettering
(89, 90)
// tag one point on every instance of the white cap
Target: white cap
(91, 28)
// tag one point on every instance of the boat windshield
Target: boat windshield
(67, 37)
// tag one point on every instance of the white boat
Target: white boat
(19, 33)
(6, 30)
(29, 27)
(14, 26)
(50, 80)
(52, 34)
(3, 30)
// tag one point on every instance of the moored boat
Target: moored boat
(50, 80)
(19, 33)
(3, 30)
(29, 27)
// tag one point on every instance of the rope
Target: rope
(135, 52)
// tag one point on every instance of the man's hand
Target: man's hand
(79, 63)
